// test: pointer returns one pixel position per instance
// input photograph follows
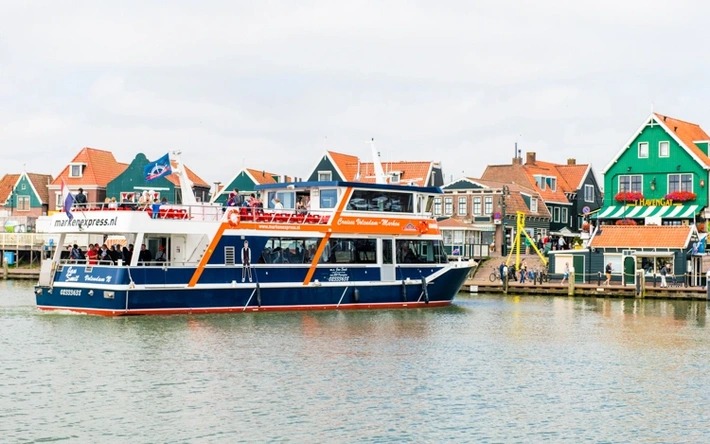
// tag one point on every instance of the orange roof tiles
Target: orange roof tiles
(194, 178)
(264, 177)
(688, 133)
(41, 182)
(641, 236)
(101, 168)
(6, 184)
(455, 222)
(417, 172)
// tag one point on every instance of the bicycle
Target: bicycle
(495, 276)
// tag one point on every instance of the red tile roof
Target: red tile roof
(688, 133)
(6, 184)
(416, 172)
(569, 177)
(515, 202)
(641, 236)
(455, 222)
(101, 168)
(194, 178)
(264, 177)
(41, 182)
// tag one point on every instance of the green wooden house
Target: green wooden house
(660, 175)
(129, 184)
(245, 181)
(24, 196)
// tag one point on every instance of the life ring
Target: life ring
(233, 218)
(423, 227)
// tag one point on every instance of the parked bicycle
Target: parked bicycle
(495, 276)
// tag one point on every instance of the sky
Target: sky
(272, 85)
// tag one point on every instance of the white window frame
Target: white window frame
(26, 202)
(488, 205)
(553, 182)
(58, 201)
(448, 206)
(661, 151)
(680, 182)
(437, 206)
(477, 205)
(556, 214)
(323, 174)
(533, 205)
(631, 182)
(76, 170)
(564, 215)
(462, 210)
(540, 181)
(643, 150)
(395, 177)
(589, 193)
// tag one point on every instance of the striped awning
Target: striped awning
(640, 212)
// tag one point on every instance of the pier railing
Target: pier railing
(24, 240)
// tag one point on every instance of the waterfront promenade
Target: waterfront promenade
(481, 283)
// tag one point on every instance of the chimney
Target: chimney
(517, 161)
(530, 158)
(571, 161)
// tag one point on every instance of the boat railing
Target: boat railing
(205, 212)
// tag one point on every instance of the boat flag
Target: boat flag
(158, 168)
(68, 199)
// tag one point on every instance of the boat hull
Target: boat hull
(123, 296)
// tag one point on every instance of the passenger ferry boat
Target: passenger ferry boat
(354, 246)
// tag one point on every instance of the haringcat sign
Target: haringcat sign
(652, 202)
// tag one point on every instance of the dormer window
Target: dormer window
(544, 182)
(540, 181)
(533, 205)
(76, 169)
(395, 177)
(551, 183)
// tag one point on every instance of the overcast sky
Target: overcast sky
(272, 85)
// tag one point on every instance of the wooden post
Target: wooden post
(570, 284)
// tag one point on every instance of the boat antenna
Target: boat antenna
(379, 172)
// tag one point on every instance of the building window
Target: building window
(643, 150)
(395, 177)
(631, 183)
(476, 205)
(23, 203)
(437, 206)
(75, 170)
(680, 182)
(462, 206)
(540, 182)
(23, 186)
(564, 218)
(448, 206)
(589, 193)
(533, 205)
(556, 215)
(664, 149)
(551, 183)
(325, 176)
(487, 205)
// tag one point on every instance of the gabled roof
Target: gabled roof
(261, 177)
(101, 168)
(40, 182)
(574, 176)
(524, 175)
(7, 183)
(642, 236)
(194, 178)
(514, 202)
(350, 167)
(684, 133)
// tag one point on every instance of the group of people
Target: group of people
(103, 254)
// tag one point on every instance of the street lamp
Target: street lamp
(504, 243)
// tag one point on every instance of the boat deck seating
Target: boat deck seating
(291, 217)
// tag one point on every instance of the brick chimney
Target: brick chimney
(517, 160)
(571, 161)
(530, 158)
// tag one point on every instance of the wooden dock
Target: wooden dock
(588, 290)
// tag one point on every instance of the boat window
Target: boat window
(287, 199)
(328, 198)
(381, 200)
(350, 251)
(285, 250)
(387, 251)
(420, 252)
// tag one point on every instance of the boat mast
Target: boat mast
(188, 195)
(379, 172)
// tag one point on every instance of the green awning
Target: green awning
(640, 212)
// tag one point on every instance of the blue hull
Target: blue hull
(114, 291)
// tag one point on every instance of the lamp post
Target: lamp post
(504, 244)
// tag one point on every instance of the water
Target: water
(489, 369)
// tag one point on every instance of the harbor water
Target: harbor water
(491, 368)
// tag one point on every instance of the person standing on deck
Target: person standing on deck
(246, 261)
(664, 272)
(80, 199)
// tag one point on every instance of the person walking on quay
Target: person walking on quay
(607, 270)
(565, 275)
(664, 272)
(523, 271)
(502, 272)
